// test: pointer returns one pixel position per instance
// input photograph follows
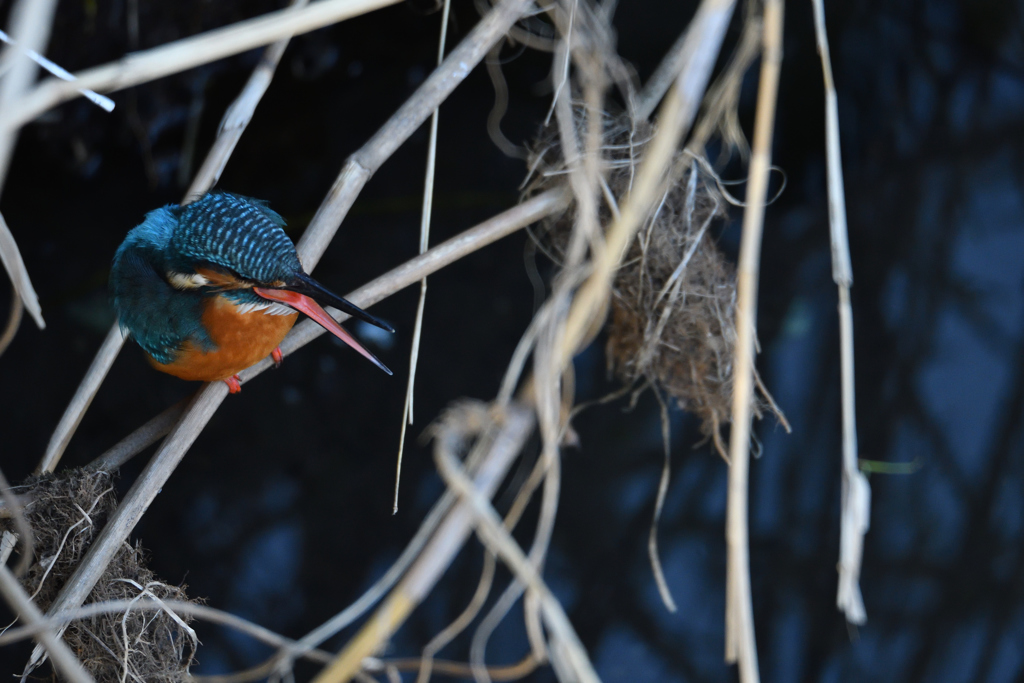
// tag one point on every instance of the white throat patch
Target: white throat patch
(268, 308)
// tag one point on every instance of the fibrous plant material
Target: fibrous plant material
(65, 513)
(673, 306)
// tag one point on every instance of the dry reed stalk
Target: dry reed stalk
(425, 216)
(180, 55)
(10, 256)
(30, 27)
(31, 21)
(740, 645)
(142, 438)
(550, 473)
(856, 492)
(721, 106)
(510, 672)
(60, 654)
(201, 409)
(82, 399)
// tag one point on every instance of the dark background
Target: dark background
(281, 510)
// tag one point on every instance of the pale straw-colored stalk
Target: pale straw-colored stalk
(30, 24)
(740, 645)
(426, 213)
(856, 492)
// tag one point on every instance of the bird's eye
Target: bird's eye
(187, 280)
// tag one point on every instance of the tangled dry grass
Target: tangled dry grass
(66, 512)
(673, 308)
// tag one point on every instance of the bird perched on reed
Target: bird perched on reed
(209, 288)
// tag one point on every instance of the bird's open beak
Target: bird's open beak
(304, 302)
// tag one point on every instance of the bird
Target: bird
(211, 287)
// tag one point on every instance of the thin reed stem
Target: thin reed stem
(740, 645)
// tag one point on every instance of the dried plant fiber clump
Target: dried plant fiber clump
(673, 308)
(66, 512)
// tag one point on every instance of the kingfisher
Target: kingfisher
(209, 288)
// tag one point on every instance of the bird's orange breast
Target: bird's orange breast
(241, 338)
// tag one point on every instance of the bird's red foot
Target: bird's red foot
(277, 356)
(234, 385)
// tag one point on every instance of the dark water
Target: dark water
(281, 511)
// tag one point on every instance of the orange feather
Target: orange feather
(242, 339)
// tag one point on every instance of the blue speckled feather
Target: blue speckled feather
(234, 232)
(229, 231)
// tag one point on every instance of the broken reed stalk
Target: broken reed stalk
(60, 654)
(140, 67)
(30, 27)
(201, 409)
(356, 172)
(30, 24)
(664, 76)
(740, 645)
(856, 492)
(425, 215)
(10, 256)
